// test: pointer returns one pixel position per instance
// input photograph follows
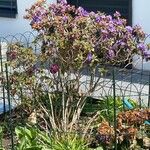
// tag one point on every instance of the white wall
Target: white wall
(141, 14)
(9, 26)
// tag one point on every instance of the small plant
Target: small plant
(131, 131)
(32, 138)
(1, 138)
(105, 106)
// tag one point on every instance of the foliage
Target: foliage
(32, 138)
(131, 131)
(1, 137)
(106, 106)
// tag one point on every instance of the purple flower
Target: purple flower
(54, 68)
(117, 14)
(103, 17)
(109, 18)
(105, 32)
(111, 28)
(146, 54)
(89, 57)
(111, 54)
(118, 22)
(36, 19)
(65, 18)
(12, 55)
(120, 43)
(82, 12)
(129, 29)
(98, 19)
(141, 47)
(62, 1)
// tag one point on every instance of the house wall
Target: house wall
(141, 14)
(11, 26)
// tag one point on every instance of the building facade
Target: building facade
(10, 25)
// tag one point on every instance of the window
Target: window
(8, 8)
(107, 6)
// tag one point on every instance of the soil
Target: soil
(8, 122)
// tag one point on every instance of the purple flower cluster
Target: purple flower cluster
(62, 2)
(54, 68)
(74, 33)
(89, 57)
(82, 12)
(11, 55)
(144, 50)
(111, 54)
(129, 29)
(141, 47)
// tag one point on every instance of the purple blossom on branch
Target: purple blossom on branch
(65, 18)
(54, 68)
(36, 19)
(111, 54)
(146, 54)
(82, 12)
(98, 19)
(62, 1)
(89, 57)
(108, 35)
(141, 47)
(117, 14)
(129, 29)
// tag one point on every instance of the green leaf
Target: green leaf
(34, 148)
(99, 148)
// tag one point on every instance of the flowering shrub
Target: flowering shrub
(72, 40)
(78, 37)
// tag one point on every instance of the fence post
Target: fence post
(114, 97)
(9, 105)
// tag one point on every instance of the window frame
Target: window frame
(129, 19)
(8, 8)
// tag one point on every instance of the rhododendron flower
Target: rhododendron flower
(65, 18)
(62, 1)
(111, 54)
(82, 12)
(54, 68)
(141, 47)
(146, 54)
(36, 19)
(117, 14)
(11, 55)
(129, 29)
(98, 19)
(89, 57)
